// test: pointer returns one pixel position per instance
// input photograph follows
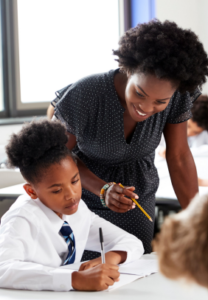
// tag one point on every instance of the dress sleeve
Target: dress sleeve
(181, 106)
(71, 108)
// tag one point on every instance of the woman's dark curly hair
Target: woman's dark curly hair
(200, 112)
(165, 50)
(36, 147)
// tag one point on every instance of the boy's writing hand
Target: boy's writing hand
(112, 257)
(90, 264)
(95, 279)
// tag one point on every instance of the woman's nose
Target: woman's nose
(146, 107)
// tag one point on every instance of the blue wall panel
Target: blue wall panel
(142, 11)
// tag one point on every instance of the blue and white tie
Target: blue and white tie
(68, 235)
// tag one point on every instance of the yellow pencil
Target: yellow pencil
(146, 214)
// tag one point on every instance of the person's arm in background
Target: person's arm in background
(180, 163)
(50, 112)
(115, 197)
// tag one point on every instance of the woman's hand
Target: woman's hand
(112, 258)
(115, 198)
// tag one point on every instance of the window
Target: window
(53, 43)
(63, 41)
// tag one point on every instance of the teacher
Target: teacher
(115, 121)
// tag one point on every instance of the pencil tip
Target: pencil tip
(151, 220)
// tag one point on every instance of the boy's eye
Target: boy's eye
(56, 192)
(75, 181)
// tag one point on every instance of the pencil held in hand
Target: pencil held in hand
(146, 214)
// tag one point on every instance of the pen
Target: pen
(146, 214)
(102, 246)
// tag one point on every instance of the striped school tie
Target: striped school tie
(68, 235)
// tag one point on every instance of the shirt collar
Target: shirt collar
(55, 220)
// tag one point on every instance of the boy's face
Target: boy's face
(193, 129)
(60, 188)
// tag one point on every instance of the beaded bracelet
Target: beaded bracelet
(102, 192)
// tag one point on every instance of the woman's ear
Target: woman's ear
(30, 190)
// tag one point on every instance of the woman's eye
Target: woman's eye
(159, 102)
(74, 182)
(140, 95)
(56, 192)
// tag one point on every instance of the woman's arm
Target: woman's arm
(115, 197)
(89, 180)
(180, 163)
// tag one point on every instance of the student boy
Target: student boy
(50, 226)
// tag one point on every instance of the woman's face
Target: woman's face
(147, 95)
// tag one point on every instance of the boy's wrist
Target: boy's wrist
(116, 257)
(75, 280)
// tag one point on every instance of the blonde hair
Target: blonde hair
(182, 245)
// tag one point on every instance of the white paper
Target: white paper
(124, 279)
(141, 267)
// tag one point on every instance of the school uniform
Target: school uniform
(33, 251)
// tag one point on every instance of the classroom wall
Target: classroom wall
(189, 14)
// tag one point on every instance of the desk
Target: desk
(154, 287)
(12, 192)
(165, 190)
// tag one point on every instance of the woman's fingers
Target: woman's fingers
(116, 209)
(122, 199)
(126, 191)
(129, 193)
(116, 198)
(120, 205)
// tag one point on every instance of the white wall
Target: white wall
(188, 14)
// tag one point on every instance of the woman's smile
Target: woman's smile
(140, 113)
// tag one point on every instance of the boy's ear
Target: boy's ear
(30, 191)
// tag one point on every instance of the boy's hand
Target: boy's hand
(90, 264)
(95, 279)
(113, 257)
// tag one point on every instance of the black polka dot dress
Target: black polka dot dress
(91, 110)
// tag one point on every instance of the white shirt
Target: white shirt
(193, 141)
(32, 251)
(198, 140)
